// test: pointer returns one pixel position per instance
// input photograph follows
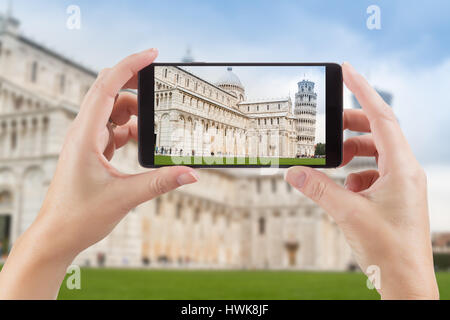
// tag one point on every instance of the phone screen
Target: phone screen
(241, 115)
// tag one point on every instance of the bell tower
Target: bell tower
(305, 114)
(7, 22)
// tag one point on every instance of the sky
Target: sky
(267, 83)
(409, 56)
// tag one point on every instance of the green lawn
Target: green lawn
(170, 284)
(170, 160)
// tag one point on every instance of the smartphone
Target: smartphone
(240, 114)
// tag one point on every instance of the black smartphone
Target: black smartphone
(240, 114)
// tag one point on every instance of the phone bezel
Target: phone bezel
(333, 114)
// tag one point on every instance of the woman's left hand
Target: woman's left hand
(87, 196)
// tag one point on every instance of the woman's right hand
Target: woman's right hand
(383, 213)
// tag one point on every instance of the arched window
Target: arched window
(178, 212)
(248, 109)
(5, 199)
(267, 107)
(165, 73)
(197, 215)
(261, 225)
(62, 83)
(34, 71)
(257, 108)
(14, 139)
(158, 205)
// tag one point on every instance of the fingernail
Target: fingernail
(187, 178)
(349, 66)
(296, 178)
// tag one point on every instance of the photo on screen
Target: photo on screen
(239, 115)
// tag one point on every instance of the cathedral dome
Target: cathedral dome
(229, 78)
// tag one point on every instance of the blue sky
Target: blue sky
(409, 56)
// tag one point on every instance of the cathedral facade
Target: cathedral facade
(232, 218)
(196, 117)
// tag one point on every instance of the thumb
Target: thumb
(142, 187)
(333, 198)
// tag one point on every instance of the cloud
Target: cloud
(408, 57)
(422, 105)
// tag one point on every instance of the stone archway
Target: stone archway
(6, 207)
(291, 251)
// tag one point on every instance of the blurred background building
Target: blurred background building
(246, 220)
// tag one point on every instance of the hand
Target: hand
(383, 213)
(87, 196)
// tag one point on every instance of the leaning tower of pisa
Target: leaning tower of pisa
(305, 113)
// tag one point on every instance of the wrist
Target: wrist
(413, 282)
(47, 245)
(35, 267)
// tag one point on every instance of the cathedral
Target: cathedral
(231, 218)
(196, 117)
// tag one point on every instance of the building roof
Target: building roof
(229, 78)
(9, 20)
(56, 55)
(268, 100)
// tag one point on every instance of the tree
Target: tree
(320, 149)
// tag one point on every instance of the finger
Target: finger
(97, 106)
(126, 132)
(142, 187)
(391, 144)
(125, 106)
(360, 146)
(356, 120)
(360, 181)
(110, 146)
(333, 198)
(373, 105)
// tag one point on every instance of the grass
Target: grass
(178, 284)
(217, 160)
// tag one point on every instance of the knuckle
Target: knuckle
(418, 175)
(388, 114)
(99, 84)
(347, 218)
(158, 186)
(317, 190)
(103, 72)
(415, 176)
